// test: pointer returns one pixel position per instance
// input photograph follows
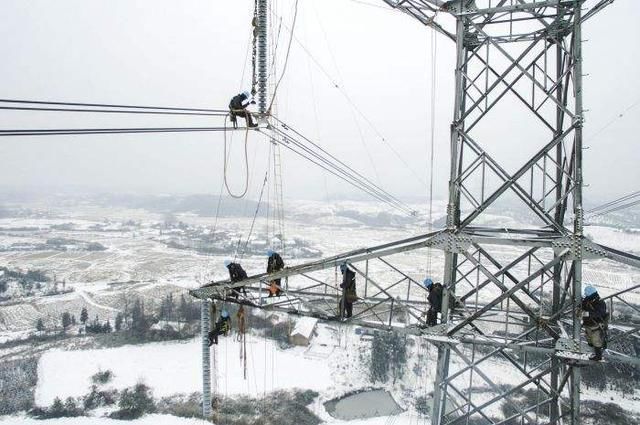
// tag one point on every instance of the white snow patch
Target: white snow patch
(145, 420)
(171, 368)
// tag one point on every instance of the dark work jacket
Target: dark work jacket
(237, 101)
(596, 308)
(275, 263)
(349, 282)
(236, 272)
(223, 324)
(435, 296)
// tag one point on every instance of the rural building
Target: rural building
(303, 331)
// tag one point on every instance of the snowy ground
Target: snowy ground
(334, 365)
(172, 368)
(172, 420)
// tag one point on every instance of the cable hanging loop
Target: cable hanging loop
(246, 162)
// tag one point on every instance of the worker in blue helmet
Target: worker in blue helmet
(349, 295)
(595, 321)
(222, 327)
(236, 274)
(435, 301)
(238, 108)
(274, 264)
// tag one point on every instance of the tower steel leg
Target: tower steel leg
(206, 359)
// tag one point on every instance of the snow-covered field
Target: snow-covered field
(333, 365)
(173, 368)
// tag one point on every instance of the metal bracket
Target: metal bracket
(458, 6)
(471, 40)
(438, 335)
(454, 243)
(571, 351)
(581, 248)
(559, 28)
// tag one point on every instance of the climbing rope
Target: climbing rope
(242, 339)
(253, 222)
(246, 162)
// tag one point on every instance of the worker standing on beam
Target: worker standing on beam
(274, 264)
(435, 301)
(238, 108)
(595, 321)
(236, 274)
(349, 295)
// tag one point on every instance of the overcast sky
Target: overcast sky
(193, 53)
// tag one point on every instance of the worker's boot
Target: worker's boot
(597, 355)
(250, 121)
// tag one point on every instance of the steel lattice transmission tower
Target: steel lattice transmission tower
(511, 293)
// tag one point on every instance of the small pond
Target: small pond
(363, 405)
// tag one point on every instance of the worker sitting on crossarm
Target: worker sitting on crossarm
(435, 301)
(222, 327)
(238, 108)
(236, 274)
(274, 264)
(349, 295)
(595, 321)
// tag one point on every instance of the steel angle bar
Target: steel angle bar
(621, 256)
(467, 399)
(468, 196)
(354, 256)
(519, 7)
(629, 332)
(557, 82)
(510, 276)
(595, 9)
(624, 291)
(507, 294)
(508, 184)
(509, 420)
(526, 73)
(492, 355)
(509, 87)
(501, 77)
(503, 396)
(468, 171)
(503, 270)
(512, 231)
(387, 288)
(512, 181)
(397, 299)
(415, 10)
(372, 309)
(403, 274)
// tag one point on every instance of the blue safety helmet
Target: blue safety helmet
(270, 252)
(224, 313)
(427, 282)
(227, 262)
(343, 267)
(589, 290)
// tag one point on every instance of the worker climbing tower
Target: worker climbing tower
(512, 294)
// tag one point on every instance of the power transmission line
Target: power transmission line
(104, 105)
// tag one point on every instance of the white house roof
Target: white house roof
(304, 326)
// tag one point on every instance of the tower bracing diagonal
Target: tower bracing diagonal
(512, 295)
